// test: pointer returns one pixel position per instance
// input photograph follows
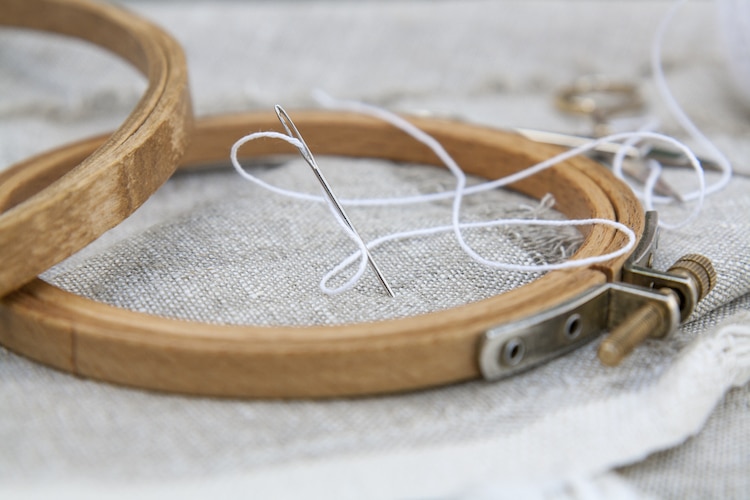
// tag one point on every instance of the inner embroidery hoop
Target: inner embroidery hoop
(211, 248)
(103, 342)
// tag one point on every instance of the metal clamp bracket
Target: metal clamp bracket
(647, 303)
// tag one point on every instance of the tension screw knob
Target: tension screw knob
(646, 319)
(697, 268)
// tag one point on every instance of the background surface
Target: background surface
(495, 63)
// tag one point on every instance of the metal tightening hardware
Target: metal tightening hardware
(699, 269)
(647, 303)
(643, 323)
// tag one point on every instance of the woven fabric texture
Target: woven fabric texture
(209, 247)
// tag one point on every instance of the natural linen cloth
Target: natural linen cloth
(656, 426)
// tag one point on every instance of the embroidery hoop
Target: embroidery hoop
(50, 213)
(103, 342)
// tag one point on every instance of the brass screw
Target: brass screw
(631, 332)
(646, 319)
(697, 268)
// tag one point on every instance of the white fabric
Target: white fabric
(570, 429)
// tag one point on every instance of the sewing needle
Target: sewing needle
(292, 131)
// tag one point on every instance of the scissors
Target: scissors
(601, 98)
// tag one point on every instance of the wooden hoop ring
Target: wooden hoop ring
(112, 344)
(50, 213)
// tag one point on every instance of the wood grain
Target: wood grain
(50, 213)
(106, 343)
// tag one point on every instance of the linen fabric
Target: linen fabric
(670, 422)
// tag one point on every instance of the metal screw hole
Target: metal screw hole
(573, 326)
(513, 352)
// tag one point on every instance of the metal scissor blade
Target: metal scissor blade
(675, 158)
(575, 141)
(668, 157)
(633, 158)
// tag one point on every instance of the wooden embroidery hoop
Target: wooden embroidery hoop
(49, 213)
(99, 341)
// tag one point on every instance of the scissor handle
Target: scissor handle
(599, 97)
